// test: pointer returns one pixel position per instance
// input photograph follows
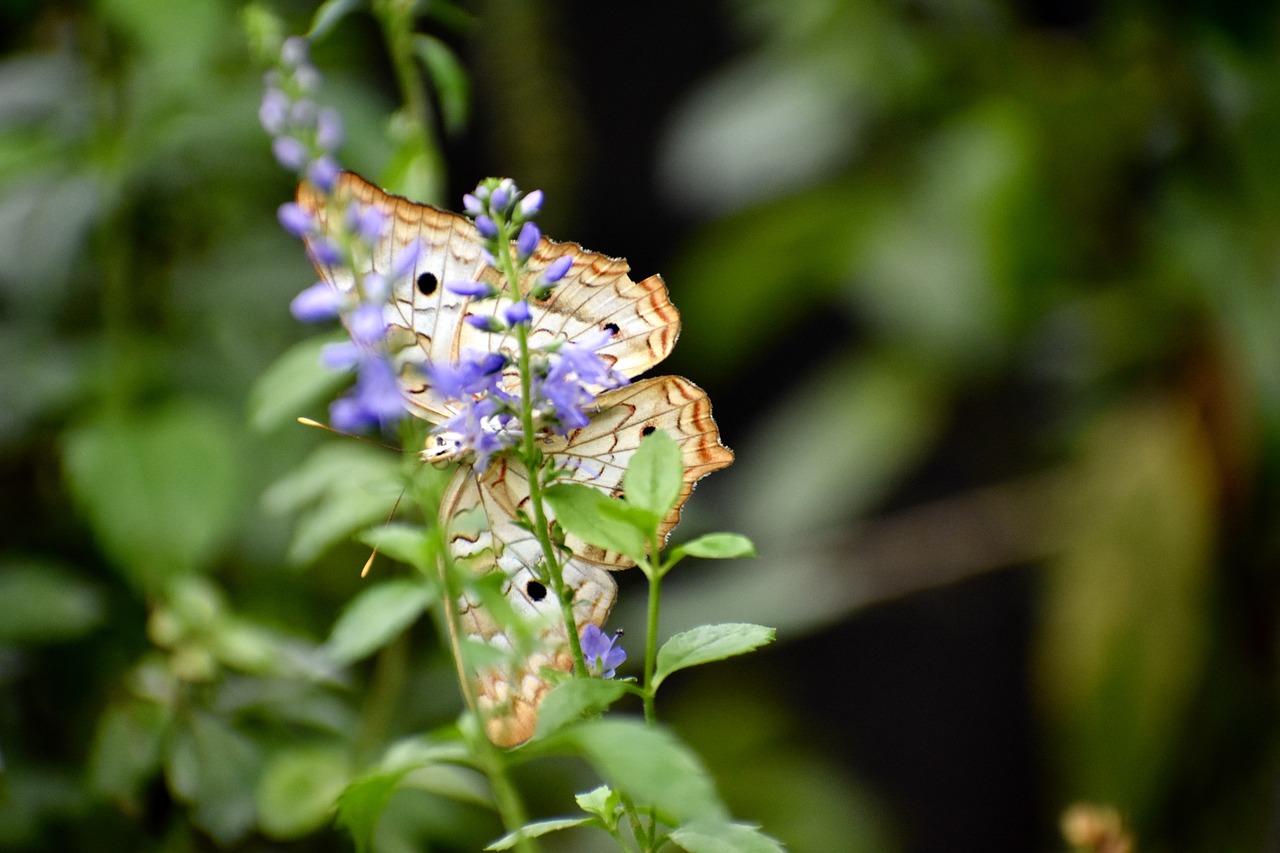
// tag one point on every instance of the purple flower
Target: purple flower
(531, 204)
(517, 313)
(289, 152)
(325, 250)
(375, 401)
(406, 260)
(528, 240)
(366, 221)
(558, 268)
(323, 173)
(470, 376)
(317, 303)
(501, 195)
(294, 219)
(602, 656)
(343, 355)
(472, 205)
(328, 129)
(293, 53)
(477, 289)
(367, 323)
(484, 322)
(486, 226)
(274, 111)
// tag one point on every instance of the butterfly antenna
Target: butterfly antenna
(368, 564)
(314, 423)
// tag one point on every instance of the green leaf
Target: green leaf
(377, 616)
(126, 747)
(408, 543)
(590, 515)
(716, 546)
(539, 828)
(214, 769)
(363, 802)
(655, 475)
(718, 836)
(604, 803)
(646, 763)
(709, 643)
(160, 488)
(347, 487)
(293, 385)
(298, 790)
(575, 698)
(449, 78)
(330, 13)
(44, 602)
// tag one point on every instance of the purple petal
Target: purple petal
(478, 289)
(328, 129)
(323, 173)
(517, 313)
(406, 260)
(294, 219)
(294, 51)
(486, 226)
(531, 204)
(317, 303)
(558, 268)
(289, 152)
(274, 111)
(528, 240)
(366, 324)
(340, 356)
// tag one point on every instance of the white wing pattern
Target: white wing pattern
(479, 510)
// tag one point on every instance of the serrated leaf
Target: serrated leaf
(377, 616)
(655, 475)
(449, 78)
(714, 836)
(575, 698)
(716, 546)
(708, 643)
(539, 828)
(298, 790)
(587, 513)
(646, 763)
(293, 385)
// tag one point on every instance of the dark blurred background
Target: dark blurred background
(986, 295)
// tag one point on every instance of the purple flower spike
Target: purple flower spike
(558, 268)
(289, 152)
(531, 204)
(317, 303)
(603, 657)
(476, 289)
(528, 240)
(294, 219)
(517, 313)
(486, 226)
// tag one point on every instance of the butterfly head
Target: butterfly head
(443, 448)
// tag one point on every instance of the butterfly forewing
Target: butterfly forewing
(426, 319)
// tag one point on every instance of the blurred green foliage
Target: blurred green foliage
(1064, 215)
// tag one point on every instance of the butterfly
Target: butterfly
(481, 509)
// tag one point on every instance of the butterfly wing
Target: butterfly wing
(508, 695)
(425, 319)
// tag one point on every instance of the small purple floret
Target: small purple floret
(289, 152)
(476, 289)
(317, 303)
(294, 219)
(486, 226)
(517, 313)
(528, 240)
(558, 268)
(602, 656)
(531, 204)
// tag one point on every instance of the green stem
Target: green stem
(653, 571)
(396, 19)
(535, 464)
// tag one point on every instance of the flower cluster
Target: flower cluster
(564, 377)
(602, 655)
(305, 138)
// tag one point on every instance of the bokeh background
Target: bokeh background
(986, 295)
